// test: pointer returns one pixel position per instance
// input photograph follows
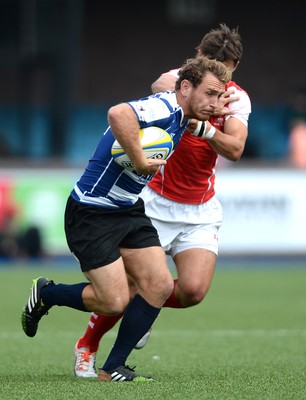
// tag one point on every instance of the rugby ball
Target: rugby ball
(155, 142)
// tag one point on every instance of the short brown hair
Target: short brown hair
(222, 44)
(195, 69)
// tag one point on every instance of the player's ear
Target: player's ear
(186, 87)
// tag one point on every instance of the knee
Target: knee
(164, 287)
(167, 287)
(110, 302)
(133, 289)
(195, 298)
(190, 295)
(114, 305)
(157, 289)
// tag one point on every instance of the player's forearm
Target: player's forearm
(163, 83)
(227, 146)
(125, 127)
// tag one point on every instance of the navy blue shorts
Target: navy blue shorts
(95, 234)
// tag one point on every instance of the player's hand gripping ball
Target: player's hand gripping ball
(155, 142)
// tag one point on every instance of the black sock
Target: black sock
(138, 318)
(64, 295)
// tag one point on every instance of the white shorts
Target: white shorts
(184, 226)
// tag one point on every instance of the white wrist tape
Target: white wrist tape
(210, 133)
(200, 130)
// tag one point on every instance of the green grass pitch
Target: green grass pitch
(246, 340)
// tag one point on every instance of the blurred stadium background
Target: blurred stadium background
(63, 63)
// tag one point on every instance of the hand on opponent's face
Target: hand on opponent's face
(226, 98)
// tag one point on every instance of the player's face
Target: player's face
(203, 100)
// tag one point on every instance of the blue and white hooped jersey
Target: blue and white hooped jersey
(106, 184)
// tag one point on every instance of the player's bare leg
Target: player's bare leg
(195, 269)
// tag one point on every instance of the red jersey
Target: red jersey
(189, 175)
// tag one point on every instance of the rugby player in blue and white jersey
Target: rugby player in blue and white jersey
(105, 222)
